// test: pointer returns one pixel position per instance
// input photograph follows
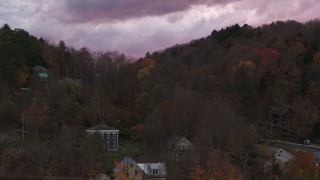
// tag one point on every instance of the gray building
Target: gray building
(180, 148)
(109, 135)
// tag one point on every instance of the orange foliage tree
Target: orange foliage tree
(218, 166)
(303, 166)
(124, 172)
(148, 65)
(198, 173)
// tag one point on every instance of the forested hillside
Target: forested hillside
(223, 92)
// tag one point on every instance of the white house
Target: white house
(281, 157)
(129, 169)
(154, 171)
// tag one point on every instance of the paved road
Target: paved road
(288, 145)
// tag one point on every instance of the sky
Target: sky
(136, 27)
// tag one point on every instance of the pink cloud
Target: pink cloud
(137, 26)
(112, 10)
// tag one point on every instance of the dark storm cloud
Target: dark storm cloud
(95, 10)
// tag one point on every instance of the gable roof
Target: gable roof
(283, 156)
(42, 73)
(316, 154)
(148, 167)
(174, 139)
(126, 161)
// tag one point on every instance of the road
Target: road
(313, 148)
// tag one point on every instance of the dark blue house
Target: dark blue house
(110, 136)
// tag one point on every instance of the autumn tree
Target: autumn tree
(303, 166)
(188, 104)
(242, 149)
(13, 162)
(127, 169)
(219, 166)
(245, 88)
(10, 113)
(162, 123)
(198, 173)
(215, 130)
(65, 101)
(92, 150)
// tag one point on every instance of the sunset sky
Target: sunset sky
(138, 26)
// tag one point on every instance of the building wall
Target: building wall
(183, 145)
(110, 140)
(183, 150)
(135, 172)
(153, 178)
(131, 171)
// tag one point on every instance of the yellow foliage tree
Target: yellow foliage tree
(22, 77)
(148, 65)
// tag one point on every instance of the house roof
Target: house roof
(101, 127)
(316, 154)
(145, 167)
(148, 167)
(175, 139)
(128, 160)
(283, 156)
(124, 163)
(41, 72)
(43, 75)
(40, 68)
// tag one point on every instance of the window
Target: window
(102, 135)
(108, 135)
(114, 144)
(108, 144)
(155, 171)
(114, 135)
(131, 165)
(135, 172)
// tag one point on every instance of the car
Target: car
(306, 142)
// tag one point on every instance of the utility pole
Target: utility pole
(25, 102)
(22, 130)
(271, 127)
